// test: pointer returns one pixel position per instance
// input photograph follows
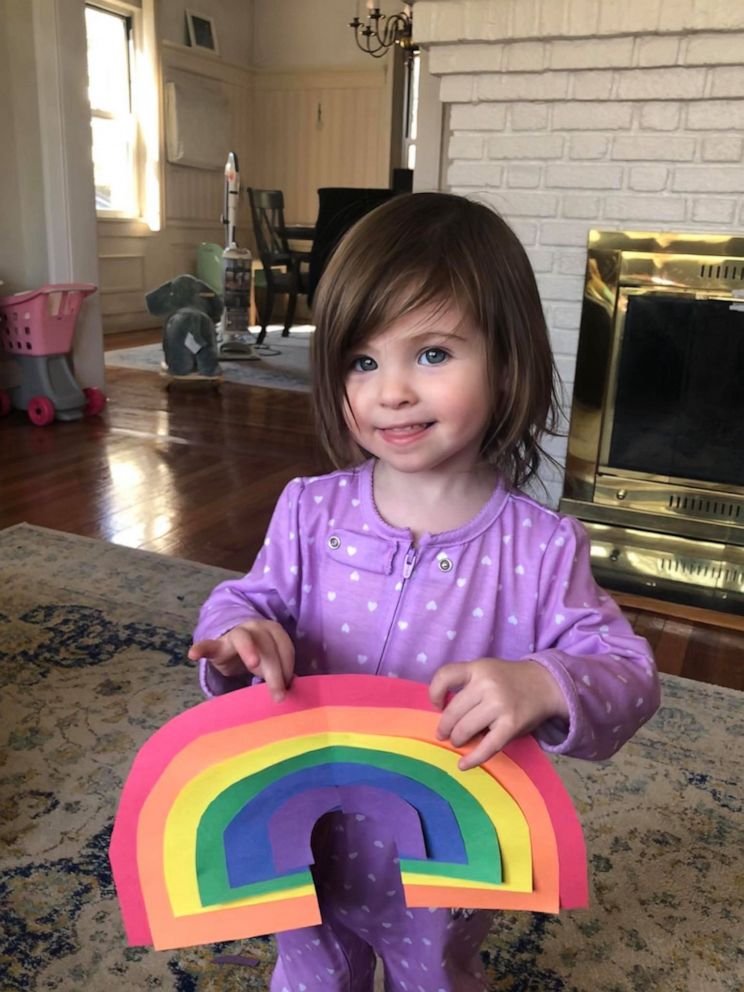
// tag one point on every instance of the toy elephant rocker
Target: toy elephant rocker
(192, 309)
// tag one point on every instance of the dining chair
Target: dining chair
(285, 269)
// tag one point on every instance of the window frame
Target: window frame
(144, 93)
(411, 106)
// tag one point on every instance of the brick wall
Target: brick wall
(572, 114)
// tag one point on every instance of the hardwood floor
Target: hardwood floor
(187, 471)
(194, 472)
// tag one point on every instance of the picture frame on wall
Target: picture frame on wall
(201, 31)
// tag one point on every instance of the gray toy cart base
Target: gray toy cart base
(37, 328)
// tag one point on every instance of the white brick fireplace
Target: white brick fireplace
(568, 115)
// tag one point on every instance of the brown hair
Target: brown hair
(434, 248)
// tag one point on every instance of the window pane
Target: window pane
(112, 166)
(108, 61)
(112, 122)
(414, 97)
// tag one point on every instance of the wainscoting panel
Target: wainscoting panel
(319, 129)
(121, 273)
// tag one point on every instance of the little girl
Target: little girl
(421, 559)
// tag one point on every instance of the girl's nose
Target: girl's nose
(396, 388)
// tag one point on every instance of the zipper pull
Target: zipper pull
(409, 562)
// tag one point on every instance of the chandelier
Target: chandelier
(382, 31)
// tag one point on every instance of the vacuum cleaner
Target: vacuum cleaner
(235, 341)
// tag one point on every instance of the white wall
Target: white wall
(572, 114)
(233, 23)
(48, 167)
(23, 244)
(305, 34)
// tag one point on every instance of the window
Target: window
(123, 96)
(413, 68)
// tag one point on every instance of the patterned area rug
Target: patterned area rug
(92, 645)
(284, 364)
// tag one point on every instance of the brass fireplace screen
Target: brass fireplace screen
(655, 464)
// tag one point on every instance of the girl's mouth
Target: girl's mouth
(405, 432)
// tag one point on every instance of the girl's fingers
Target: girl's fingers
(441, 683)
(265, 650)
(447, 679)
(285, 653)
(472, 721)
(260, 653)
(489, 745)
(462, 703)
(247, 645)
(214, 650)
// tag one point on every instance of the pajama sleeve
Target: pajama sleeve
(269, 591)
(606, 672)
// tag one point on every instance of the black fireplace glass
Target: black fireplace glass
(679, 408)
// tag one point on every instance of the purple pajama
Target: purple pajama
(356, 594)
(357, 879)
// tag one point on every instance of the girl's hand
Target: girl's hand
(504, 699)
(258, 647)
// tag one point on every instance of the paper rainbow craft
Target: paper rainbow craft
(212, 836)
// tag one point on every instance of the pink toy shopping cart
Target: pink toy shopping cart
(37, 329)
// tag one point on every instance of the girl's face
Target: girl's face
(418, 392)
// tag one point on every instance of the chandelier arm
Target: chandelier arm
(382, 32)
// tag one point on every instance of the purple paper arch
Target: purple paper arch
(435, 825)
(292, 846)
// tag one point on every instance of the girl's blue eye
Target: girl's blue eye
(363, 363)
(433, 356)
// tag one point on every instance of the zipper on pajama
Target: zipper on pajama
(409, 563)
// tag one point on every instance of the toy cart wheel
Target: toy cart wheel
(40, 411)
(4, 403)
(95, 401)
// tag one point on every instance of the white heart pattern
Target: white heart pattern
(361, 658)
(477, 612)
(318, 499)
(402, 624)
(331, 596)
(351, 551)
(431, 605)
(345, 628)
(421, 657)
(485, 560)
(371, 607)
(451, 634)
(354, 576)
(513, 620)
